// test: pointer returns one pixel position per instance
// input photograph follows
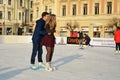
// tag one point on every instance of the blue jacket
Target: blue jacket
(39, 31)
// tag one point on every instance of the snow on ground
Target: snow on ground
(72, 63)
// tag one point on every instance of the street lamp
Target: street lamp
(3, 29)
(37, 11)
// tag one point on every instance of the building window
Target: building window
(109, 7)
(20, 15)
(37, 11)
(21, 2)
(31, 17)
(63, 33)
(64, 10)
(50, 11)
(31, 4)
(109, 32)
(96, 8)
(23, 16)
(97, 32)
(1, 1)
(74, 10)
(0, 14)
(46, 8)
(85, 29)
(9, 15)
(9, 2)
(85, 9)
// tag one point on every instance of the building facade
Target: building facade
(91, 16)
(14, 15)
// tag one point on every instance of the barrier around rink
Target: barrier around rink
(59, 40)
(94, 41)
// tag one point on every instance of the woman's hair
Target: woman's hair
(52, 21)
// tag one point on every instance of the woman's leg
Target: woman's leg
(52, 51)
(119, 46)
(48, 59)
(48, 55)
(116, 46)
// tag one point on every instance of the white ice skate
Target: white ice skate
(41, 65)
(49, 67)
(33, 67)
(117, 52)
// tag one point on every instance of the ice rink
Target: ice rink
(72, 63)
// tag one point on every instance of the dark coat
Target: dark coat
(39, 31)
(80, 35)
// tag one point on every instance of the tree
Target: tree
(71, 27)
(114, 23)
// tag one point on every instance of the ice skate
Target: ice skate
(48, 67)
(41, 65)
(117, 52)
(33, 67)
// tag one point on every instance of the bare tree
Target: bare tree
(71, 27)
(114, 23)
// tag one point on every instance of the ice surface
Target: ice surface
(72, 63)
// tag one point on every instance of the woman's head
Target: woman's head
(52, 21)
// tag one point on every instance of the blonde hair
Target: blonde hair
(52, 21)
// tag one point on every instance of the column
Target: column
(57, 7)
(90, 7)
(79, 7)
(115, 6)
(90, 31)
(102, 6)
(102, 31)
(68, 8)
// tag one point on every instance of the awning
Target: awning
(96, 24)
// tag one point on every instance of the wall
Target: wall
(15, 39)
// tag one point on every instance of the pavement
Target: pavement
(72, 63)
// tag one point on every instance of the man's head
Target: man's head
(45, 16)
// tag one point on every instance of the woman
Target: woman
(117, 39)
(49, 41)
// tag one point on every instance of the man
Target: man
(80, 38)
(87, 39)
(39, 33)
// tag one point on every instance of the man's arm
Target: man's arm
(41, 29)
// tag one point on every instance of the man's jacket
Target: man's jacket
(39, 31)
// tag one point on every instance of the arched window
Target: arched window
(9, 2)
(21, 2)
(1, 1)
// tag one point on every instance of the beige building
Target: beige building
(91, 16)
(15, 14)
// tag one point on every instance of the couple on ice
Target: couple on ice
(43, 35)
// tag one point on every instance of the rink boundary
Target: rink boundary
(97, 42)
